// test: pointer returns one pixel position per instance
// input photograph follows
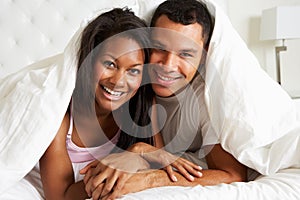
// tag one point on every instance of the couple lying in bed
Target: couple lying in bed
(117, 65)
(137, 118)
(121, 75)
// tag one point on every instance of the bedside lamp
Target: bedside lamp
(280, 23)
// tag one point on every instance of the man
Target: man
(180, 39)
(179, 87)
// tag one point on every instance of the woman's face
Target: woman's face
(118, 68)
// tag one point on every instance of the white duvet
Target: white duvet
(255, 118)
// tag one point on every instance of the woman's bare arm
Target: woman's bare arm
(56, 169)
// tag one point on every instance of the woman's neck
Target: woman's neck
(91, 131)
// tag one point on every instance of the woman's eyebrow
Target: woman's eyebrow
(109, 55)
(157, 42)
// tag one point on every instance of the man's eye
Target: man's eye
(186, 55)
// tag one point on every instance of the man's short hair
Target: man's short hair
(186, 12)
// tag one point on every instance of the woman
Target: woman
(110, 72)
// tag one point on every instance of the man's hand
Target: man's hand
(149, 179)
(167, 161)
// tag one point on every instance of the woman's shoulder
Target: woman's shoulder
(64, 126)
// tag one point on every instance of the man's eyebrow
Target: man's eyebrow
(189, 50)
(157, 43)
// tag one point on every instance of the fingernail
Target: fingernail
(191, 178)
(174, 178)
(199, 167)
(200, 174)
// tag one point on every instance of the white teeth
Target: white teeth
(112, 92)
(165, 78)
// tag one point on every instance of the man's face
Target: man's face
(176, 55)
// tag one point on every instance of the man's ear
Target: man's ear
(203, 56)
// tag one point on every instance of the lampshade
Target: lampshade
(280, 22)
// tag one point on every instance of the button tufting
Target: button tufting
(14, 42)
(65, 18)
(39, 28)
(31, 19)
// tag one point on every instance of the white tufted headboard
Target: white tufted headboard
(34, 29)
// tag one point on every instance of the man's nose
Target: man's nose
(170, 61)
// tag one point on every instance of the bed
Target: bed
(39, 32)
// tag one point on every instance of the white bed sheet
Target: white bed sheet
(268, 154)
(283, 185)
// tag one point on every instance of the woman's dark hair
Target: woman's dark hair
(141, 130)
(121, 22)
(186, 12)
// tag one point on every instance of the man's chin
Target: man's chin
(163, 91)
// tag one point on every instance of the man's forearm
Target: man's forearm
(158, 178)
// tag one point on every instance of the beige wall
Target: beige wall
(245, 17)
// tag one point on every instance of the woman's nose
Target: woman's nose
(118, 78)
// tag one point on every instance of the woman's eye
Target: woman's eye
(134, 71)
(109, 64)
(158, 48)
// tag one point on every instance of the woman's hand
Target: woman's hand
(111, 172)
(167, 161)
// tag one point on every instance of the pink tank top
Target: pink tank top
(83, 154)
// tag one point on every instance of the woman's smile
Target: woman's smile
(112, 94)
